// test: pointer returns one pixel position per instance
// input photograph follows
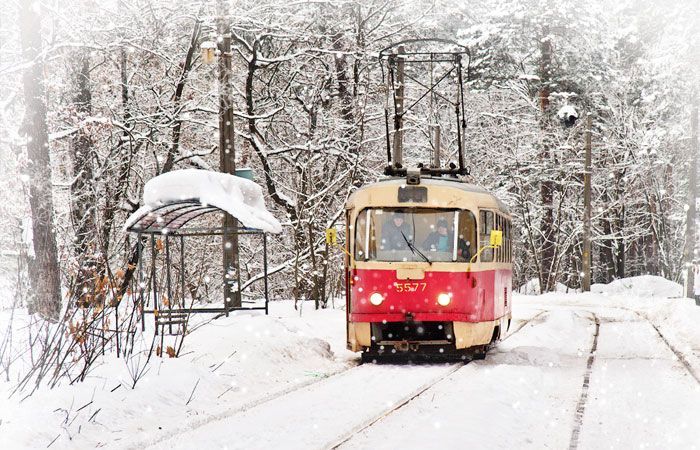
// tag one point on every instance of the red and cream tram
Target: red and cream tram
(428, 268)
(428, 255)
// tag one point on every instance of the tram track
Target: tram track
(682, 358)
(525, 323)
(242, 408)
(407, 389)
(636, 342)
(374, 386)
(583, 398)
(403, 402)
(418, 392)
(278, 395)
(356, 365)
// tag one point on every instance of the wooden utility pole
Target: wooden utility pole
(227, 160)
(586, 263)
(689, 251)
(399, 106)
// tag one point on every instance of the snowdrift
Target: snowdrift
(241, 198)
(657, 299)
(532, 287)
(641, 286)
(645, 286)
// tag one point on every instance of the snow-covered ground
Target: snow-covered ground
(286, 381)
(226, 365)
(529, 392)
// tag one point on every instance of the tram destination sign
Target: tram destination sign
(417, 194)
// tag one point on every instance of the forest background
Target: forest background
(96, 98)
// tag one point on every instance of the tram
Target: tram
(428, 255)
(417, 295)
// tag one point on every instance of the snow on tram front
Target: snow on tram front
(428, 268)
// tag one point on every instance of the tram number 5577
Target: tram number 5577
(410, 287)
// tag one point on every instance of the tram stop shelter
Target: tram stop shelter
(181, 235)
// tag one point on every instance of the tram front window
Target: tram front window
(414, 234)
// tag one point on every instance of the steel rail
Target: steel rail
(415, 394)
(583, 398)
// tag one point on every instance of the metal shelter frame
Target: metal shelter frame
(168, 221)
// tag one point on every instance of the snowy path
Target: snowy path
(523, 395)
(526, 394)
(316, 416)
(324, 414)
(640, 393)
(568, 376)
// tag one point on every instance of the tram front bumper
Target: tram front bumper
(410, 335)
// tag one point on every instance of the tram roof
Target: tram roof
(441, 182)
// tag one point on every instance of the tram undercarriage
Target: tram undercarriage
(417, 340)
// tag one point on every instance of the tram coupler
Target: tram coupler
(401, 346)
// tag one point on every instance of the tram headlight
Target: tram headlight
(444, 299)
(376, 298)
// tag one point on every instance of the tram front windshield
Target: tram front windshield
(414, 234)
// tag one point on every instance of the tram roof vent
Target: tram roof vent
(413, 176)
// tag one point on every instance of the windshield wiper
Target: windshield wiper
(414, 249)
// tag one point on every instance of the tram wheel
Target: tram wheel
(479, 353)
(368, 358)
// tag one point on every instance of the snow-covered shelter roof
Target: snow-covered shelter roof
(175, 198)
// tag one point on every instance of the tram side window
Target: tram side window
(361, 236)
(503, 249)
(495, 227)
(508, 242)
(505, 240)
(510, 236)
(499, 250)
(512, 243)
(503, 253)
(486, 225)
(466, 237)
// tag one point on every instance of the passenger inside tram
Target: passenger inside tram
(442, 240)
(396, 233)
